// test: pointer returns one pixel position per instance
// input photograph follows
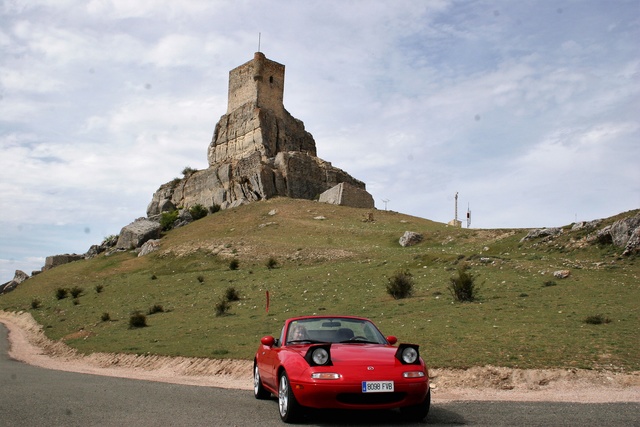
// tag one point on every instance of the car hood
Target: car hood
(357, 354)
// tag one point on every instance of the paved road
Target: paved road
(32, 396)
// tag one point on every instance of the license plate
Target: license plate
(377, 386)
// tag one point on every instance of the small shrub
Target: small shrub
(76, 291)
(99, 288)
(549, 283)
(167, 219)
(463, 287)
(175, 182)
(36, 303)
(272, 263)
(105, 317)
(400, 284)
(61, 293)
(110, 240)
(156, 308)
(222, 306)
(188, 170)
(200, 279)
(231, 294)
(76, 301)
(597, 319)
(154, 277)
(234, 264)
(198, 211)
(214, 208)
(137, 320)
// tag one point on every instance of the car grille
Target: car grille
(370, 398)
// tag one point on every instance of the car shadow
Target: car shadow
(437, 416)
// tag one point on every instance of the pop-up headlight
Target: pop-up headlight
(408, 354)
(319, 355)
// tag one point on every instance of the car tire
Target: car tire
(258, 389)
(417, 412)
(290, 410)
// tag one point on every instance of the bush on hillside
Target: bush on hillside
(222, 306)
(231, 294)
(272, 263)
(156, 308)
(463, 287)
(597, 319)
(198, 211)
(137, 320)
(167, 219)
(400, 284)
(61, 293)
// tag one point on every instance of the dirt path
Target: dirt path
(29, 344)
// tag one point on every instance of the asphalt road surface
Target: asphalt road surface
(32, 396)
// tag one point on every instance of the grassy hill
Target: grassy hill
(333, 260)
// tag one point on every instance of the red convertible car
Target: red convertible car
(340, 362)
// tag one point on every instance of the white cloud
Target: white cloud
(528, 112)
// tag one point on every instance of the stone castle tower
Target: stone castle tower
(258, 151)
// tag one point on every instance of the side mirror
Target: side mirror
(392, 340)
(268, 341)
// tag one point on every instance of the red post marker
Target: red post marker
(267, 301)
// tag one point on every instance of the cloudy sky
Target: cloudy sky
(529, 109)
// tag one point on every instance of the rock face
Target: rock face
(345, 194)
(149, 246)
(624, 233)
(134, 235)
(19, 277)
(258, 150)
(56, 260)
(542, 232)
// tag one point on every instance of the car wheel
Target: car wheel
(258, 389)
(290, 410)
(417, 412)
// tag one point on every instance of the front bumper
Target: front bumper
(340, 394)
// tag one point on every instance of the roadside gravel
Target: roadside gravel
(29, 345)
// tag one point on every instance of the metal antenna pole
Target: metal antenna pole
(456, 212)
(259, 37)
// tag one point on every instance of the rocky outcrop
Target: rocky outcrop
(134, 235)
(149, 246)
(18, 278)
(258, 151)
(95, 250)
(345, 194)
(542, 233)
(56, 260)
(410, 238)
(633, 244)
(624, 233)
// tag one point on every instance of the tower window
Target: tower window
(270, 79)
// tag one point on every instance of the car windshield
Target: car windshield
(333, 330)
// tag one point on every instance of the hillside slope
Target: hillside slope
(333, 259)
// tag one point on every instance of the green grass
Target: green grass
(342, 265)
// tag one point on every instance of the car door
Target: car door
(268, 362)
